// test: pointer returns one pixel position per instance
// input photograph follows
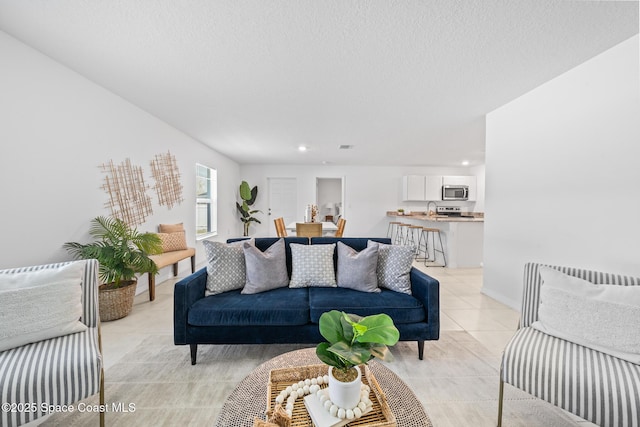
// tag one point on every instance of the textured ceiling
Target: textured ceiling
(405, 82)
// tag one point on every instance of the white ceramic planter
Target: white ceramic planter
(345, 395)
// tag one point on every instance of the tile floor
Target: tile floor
(463, 308)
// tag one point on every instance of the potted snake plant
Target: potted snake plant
(351, 341)
(122, 252)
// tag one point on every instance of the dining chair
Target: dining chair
(281, 231)
(308, 229)
(341, 223)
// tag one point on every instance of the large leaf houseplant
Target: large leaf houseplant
(123, 252)
(248, 196)
(353, 340)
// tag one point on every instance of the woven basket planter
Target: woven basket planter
(116, 303)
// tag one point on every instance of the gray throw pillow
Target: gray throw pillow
(312, 265)
(265, 270)
(357, 270)
(394, 266)
(225, 266)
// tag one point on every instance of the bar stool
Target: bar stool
(401, 237)
(392, 230)
(424, 236)
(413, 235)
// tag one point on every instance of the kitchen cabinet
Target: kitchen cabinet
(413, 188)
(421, 188)
(424, 188)
(433, 187)
(469, 181)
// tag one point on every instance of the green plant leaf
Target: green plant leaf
(353, 354)
(254, 194)
(379, 329)
(330, 324)
(382, 352)
(326, 356)
(245, 191)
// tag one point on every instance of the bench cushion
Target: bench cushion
(168, 258)
(401, 307)
(278, 307)
(575, 378)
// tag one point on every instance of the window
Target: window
(206, 201)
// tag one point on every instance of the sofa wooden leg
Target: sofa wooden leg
(194, 352)
(420, 349)
(193, 264)
(152, 286)
(175, 269)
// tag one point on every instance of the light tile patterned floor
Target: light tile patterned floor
(463, 308)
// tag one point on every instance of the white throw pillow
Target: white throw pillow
(603, 317)
(312, 265)
(39, 305)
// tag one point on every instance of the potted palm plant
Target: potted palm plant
(351, 341)
(123, 252)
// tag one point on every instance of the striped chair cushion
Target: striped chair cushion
(58, 371)
(595, 386)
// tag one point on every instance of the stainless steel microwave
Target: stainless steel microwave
(455, 192)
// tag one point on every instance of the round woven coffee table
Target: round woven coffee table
(249, 399)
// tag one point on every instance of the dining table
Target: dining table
(328, 228)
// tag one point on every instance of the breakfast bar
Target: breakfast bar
(462, 235)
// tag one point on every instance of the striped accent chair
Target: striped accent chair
(596, 386)
(57, 371)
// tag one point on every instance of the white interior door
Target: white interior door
(283, 201)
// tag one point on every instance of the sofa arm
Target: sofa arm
(185, 293)
(427, 290)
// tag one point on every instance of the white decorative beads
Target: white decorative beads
(312, 386)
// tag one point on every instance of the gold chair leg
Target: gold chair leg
(102, 397)
(500, 399)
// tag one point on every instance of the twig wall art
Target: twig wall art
(164, 170)
(128, 201)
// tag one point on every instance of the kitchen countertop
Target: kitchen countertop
(474, 217)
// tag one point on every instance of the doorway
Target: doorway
(283, 201)
(330, 198)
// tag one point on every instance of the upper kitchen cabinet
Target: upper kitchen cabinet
(413, 188)
(469, 181)
(421, 188)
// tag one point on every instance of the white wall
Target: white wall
(370, 191)
(562, 175)
(57, 128)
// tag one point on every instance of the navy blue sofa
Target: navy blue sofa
(287, 315)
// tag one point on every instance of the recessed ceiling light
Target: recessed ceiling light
(302, 148)
(465, 163)
(345, 147)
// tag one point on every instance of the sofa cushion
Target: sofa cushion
(265, 270)
(394, 266)
(277, 307)
(225, 267)
(357, 270)
(312, 266)
(401, 307)
(263, 243)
